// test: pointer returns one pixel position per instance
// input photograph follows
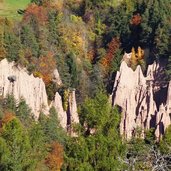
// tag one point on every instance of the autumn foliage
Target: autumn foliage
(8, 116)
(55, 158)
(136, 19)
(45, 67)
(91, 55)
(136, 57)
(113, 46)
(39, 13)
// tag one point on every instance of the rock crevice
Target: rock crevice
(136, 95)
(17, 82)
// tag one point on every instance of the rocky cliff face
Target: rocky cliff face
(16, 81)
(145, 102)
(70, 116)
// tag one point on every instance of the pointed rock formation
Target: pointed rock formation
(70, 116)
(16, 81)
(73, 107)
(164, 115)
(72, 113)
(62, 116)
(135, 94)
(56, 77)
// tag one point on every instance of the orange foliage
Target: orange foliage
(58, 5)
(2, 52)
(136, 19)
(45, 67)
(140, 53)
(8, 116)
(136, 57)
(37, 12)
(91, 55)
(55, 158)
(113, 47)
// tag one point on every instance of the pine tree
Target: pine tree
(16, 144)
(29, 40)
(99, 136)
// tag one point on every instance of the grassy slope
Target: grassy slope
(8, 8)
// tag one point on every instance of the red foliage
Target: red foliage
(37, 12)
(8, 116)
(136, 19)
(45, 67)
(113, 47)
(55, 158)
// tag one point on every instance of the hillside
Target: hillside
(85, 85)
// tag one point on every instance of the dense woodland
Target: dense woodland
(85, 40)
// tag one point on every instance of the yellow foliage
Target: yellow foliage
(91, 36)
(130, 5)
(140, 53)
(76, 19)
(2, 53)
(74, 40)
(133, 57)
(137, 58)
(45, 67)
(74, 36)
(38, 74)
(58, 4)
(65, 99)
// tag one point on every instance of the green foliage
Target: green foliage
(23, 112)
(54, 36)
(168, 68)
(63, 70)
(138, 155)
(12, 45)
(95, 111)
(71, 62)
(150, 136)
(155, 27)
(24, 142)
(100, 138)
(17, 148)
(9, 103)
(165, 144)
(77, 33)
(38, 144)
(51, 127)
(51, 89)
(116, 61)
(38, 2)
(29, 41)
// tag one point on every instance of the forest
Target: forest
(85, 40)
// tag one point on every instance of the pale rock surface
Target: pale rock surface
(25, 86)
(163, 119)
(66, 118)
(32, 90)
(74, 119)
(56, 77)
(134, 93)
(62, 115)
(73, 107)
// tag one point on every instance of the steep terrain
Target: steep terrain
(144, 101)
(17, 82)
